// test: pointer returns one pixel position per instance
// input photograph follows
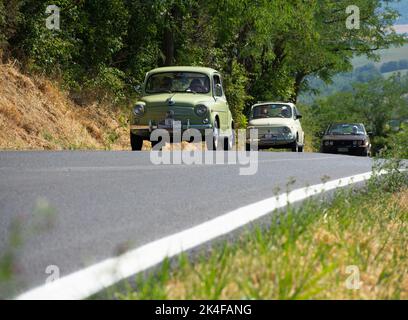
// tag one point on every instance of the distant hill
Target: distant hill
(392, 54)
(390, 59)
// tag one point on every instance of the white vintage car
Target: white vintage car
(278, 126)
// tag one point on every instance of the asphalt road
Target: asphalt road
(107, 202)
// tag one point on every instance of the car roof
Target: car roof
(348, 123)
(272, 102)
(204, 70)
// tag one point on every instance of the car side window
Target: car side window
(218, 92)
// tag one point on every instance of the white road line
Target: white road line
(86, 282)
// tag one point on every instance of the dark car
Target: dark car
(346, 138)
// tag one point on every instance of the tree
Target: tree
(375, 104)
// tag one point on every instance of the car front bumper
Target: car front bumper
(353, 150)
(145, 130)
(273, 142)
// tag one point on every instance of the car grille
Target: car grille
(343, 143)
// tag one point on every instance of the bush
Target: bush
(397, 144)
(236, 83)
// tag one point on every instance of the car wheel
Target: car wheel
(215, 138)
(229, 142)
(154, 143)
(136, 142)
(365, 153)
(249, 147)
(295, 147)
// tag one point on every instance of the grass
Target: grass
(312, 252)
(36, 114)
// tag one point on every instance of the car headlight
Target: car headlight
(201, 110)
(138, 110)
(286, 130)
(328, 143)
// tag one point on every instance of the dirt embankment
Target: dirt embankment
(36, 115)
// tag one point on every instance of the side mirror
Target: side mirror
(299, 116)
(218, 90)
(138, 88)
(370, 133)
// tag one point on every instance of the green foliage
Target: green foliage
(374, 103)
(10, 18)
(265, 49)
(397, 143)
(236, 83)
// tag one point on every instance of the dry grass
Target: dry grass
(304, 255)
(36, 115)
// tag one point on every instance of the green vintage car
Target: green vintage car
(192, 97)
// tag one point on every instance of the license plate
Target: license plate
(171, 123)
(270, 136)
(177, 125)
(342, 149)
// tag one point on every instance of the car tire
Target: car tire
(154, 143)
(295, 147)
(136, 142)
(365, 153)
(215, 137)
(249, 147)
(229, 142)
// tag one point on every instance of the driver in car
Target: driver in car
(285, 112)
(355, 130)
(166, 84)
(197, 86)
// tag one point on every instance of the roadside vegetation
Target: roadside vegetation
(22, 229)
(353, 247)
(37, 115)
(104, 48)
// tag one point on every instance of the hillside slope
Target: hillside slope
(36, 115)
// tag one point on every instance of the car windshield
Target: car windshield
(178, 82)
(346, 129)
(272, 111)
